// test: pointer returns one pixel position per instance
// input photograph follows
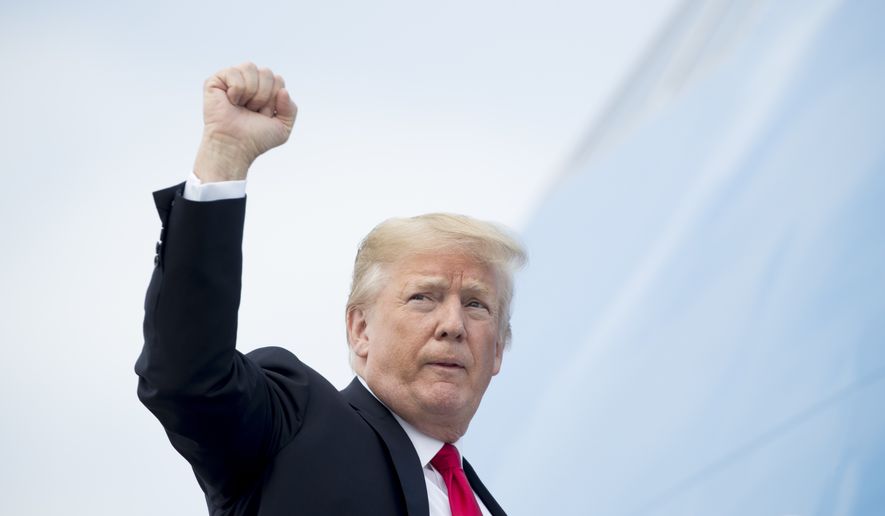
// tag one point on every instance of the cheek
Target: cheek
(404, 339)
(486, 350)
(413, 326)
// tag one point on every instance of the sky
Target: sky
(701, 330)
(404, 108)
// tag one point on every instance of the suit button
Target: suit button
(156, 260)
(157, 248)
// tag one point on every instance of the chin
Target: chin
(444, 398)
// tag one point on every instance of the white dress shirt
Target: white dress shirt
(426, 446)
(195, 190)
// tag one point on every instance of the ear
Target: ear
(499, 356)
(357, 336)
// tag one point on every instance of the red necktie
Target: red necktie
(461, 500)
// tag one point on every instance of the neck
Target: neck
(444, 428)
(444, 433)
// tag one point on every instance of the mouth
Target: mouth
(447, 364)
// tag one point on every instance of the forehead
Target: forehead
(443, 269)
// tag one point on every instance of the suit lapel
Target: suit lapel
(405, 459)
(481, 490)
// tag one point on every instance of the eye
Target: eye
(419, 297)
(473, 303)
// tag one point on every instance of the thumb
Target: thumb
(285, 109)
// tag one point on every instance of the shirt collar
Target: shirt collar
(427, 447)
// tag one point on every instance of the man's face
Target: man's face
(430, 340)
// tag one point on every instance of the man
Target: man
(427, 324)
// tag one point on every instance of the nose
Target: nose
(451, 321)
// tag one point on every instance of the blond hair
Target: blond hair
(396, 238)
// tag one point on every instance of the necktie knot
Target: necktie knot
(461, 500)
(446, 459)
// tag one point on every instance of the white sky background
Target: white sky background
(405, 108)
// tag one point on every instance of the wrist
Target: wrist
(220, 161)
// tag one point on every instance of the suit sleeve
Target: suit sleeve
(223, 412)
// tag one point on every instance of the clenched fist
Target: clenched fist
(246, 112)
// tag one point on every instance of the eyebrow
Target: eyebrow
(435, 283)
(476, 288)
(428, 283)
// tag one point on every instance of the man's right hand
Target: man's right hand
(246, 112)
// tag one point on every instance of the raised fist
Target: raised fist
(246, 112)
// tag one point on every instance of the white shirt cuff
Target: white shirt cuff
(195, 190)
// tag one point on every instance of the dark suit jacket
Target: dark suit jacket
(265, 434)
